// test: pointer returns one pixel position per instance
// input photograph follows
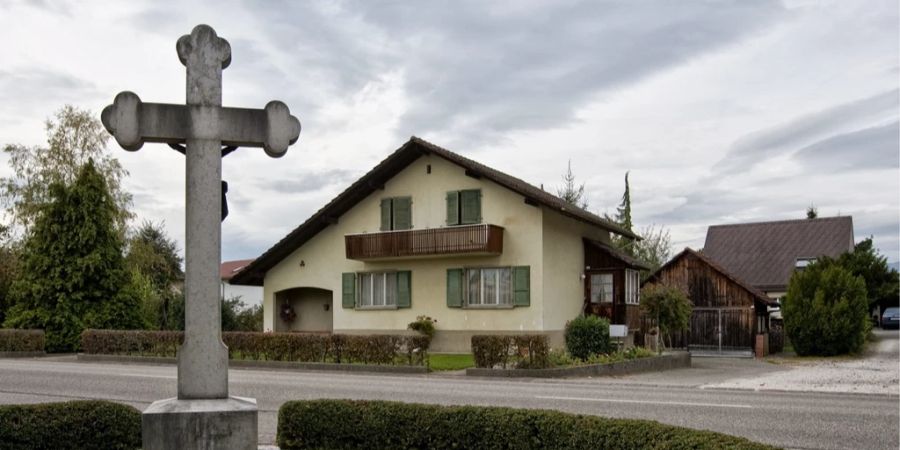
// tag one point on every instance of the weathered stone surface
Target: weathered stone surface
(229, 423)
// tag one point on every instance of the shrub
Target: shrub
(424, 325)
(586, 336)
(371, 349)
(532, 351)
(12, 340)
(350, 424)
(70, 425)
(668, 306)
(825, 310)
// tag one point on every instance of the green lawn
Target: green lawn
(447, 361)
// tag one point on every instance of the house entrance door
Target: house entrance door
(722, 330)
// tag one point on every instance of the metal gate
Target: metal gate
(722, 330)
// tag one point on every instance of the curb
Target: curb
(22, 354)
(652, 364)
(247, 364)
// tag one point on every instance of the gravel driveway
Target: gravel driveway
(876, 372)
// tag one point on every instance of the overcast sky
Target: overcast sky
(723, 111)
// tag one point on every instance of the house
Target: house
(430, 232)
(250, 295)
(727, 314)
(765, 254)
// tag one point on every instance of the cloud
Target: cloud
(308, 182)
(874, 147)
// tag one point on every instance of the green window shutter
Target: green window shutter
(385, 214)
(404, 289)
(453, 208)
(348, 290)
(454, 288)
(471, 206)
(402, 213)
(522, 286)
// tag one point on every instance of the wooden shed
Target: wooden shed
(728, 313)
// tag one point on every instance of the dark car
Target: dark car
(891, 318)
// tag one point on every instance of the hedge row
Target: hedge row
(337, 348)
(528, 351)
(21, 340)
(82, 424)
(348, 424)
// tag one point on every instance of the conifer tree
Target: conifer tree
(570, 192)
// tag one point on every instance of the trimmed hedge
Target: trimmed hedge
(586, 336)
(81, 424)
(337, 348)
(531, 351)
(349, 424)
(12, 340)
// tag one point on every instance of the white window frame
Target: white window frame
(501, 299)
(632, 287)
(361, 298)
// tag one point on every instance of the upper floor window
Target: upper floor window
(396, 213)
(464, 207)
(632, 287)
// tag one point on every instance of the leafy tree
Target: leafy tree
(882, 282)
(72, 269)
(825, 310)
(812, 212)
(570, 192)
(655, 249)
(236, 316)
(74, 137)
(153, 260)
(668, 306)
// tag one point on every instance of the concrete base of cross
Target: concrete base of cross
(228, 423)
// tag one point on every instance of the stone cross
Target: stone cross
(203, 126)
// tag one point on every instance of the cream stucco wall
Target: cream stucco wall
(311, 309)
(563, 288)
(324, 261)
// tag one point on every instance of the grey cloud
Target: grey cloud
(875, 147)
(308, 182)
(757, 146)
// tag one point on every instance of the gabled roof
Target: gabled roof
(765, 253)
(229, 268)
(376, 178)
(760, 295)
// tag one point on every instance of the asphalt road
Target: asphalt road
(794, 420)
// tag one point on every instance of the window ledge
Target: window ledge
(376, 308)
(490, 306)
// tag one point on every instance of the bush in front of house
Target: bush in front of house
(528, 351)
(825, 310)
(424, 325)
(300, 347)
(12, 340)
(587, 335)
(352, 424)
(81, 424)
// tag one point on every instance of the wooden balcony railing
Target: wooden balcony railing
(466, 239)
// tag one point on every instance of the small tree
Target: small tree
(586, 336)
(812, 212)
(156, 267)
(882, 282)
(570, 192)
(72, 269)
(825, 310)
(667, 306)
(655, 249)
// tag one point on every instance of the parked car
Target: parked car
(891, 318)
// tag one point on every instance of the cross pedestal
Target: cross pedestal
(203, 416)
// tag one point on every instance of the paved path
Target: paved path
(796, 420)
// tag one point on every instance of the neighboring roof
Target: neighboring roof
(765, 253)
(229, 269)
(619, 254)
(760, 295)
(384, 171)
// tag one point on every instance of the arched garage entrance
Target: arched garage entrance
(313, 308)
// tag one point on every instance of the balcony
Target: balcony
(459, 240)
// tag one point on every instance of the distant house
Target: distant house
(250, 295)
(430, 232)
(728, 313)
(765, 254)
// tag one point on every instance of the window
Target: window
(632, 287)
(801, 263)
(376, 289)
(490, 287)
(396, 213)
(601, 288)
(464, 207)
